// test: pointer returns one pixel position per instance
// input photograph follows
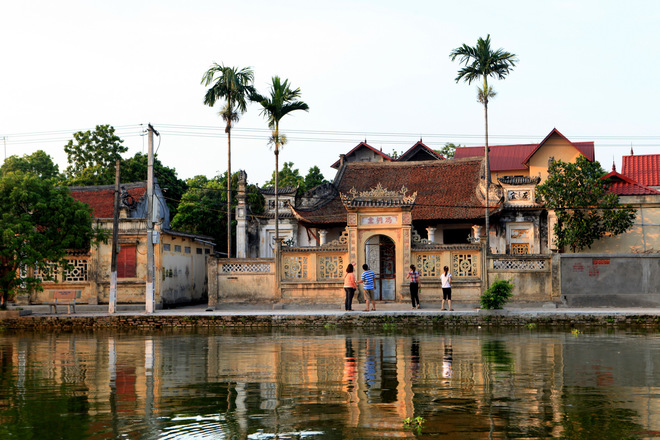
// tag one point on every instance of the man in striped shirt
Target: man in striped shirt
(368, 279)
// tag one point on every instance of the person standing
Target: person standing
(445, 278)
(368, 279)
(413, 276)
(349, 287)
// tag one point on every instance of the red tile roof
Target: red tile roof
(101, 198)
(446, 189)
(363, 145)
(515, 157)
(643, 168)
(625, 186)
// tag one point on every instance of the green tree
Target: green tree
(282, 101)
(134, 169)
(585, 210)
(38, 163)
(287, 176)
(203, 207)
(448, 150)
(234, 86)
(39, 222)
(92, 156)
(313, 178)
(481, 62)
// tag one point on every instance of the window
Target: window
(207, 251)
(187, 249)
(126, 261)
(177, 248)
(166, 247)
(199, 251)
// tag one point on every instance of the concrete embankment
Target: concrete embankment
(268, 316)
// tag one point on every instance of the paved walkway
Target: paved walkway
(328, 310)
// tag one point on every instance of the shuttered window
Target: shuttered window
(126, 262)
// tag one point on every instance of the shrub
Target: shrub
(497, 294)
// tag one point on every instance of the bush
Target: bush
(497, 294)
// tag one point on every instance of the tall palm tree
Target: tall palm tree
(481, 62)
(282, 101)
(234, 86)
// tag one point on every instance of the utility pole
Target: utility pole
(112, 304)
(149, 296)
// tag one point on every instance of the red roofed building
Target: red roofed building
(529, 160)
(180, 257)
(643, 168)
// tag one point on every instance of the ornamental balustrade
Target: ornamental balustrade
(520, 262)
(313, 265)
(463, 261)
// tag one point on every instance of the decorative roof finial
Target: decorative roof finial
(631, 150)
(613, 165)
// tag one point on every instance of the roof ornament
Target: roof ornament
(613, 164)
(631, 150)
(378, 197)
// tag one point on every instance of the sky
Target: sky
(369, 70)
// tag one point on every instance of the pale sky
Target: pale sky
(374, 70)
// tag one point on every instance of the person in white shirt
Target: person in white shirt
(445, 278)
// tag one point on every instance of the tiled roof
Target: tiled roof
(420, 150)
(643, 168)
(446, 190)
(515, 157)
(363, 145)
(281, 190)
(101, 198)
(625, 186)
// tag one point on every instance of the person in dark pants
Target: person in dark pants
(413, 276)
(350, 286)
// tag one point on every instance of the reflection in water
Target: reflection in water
(328, 384)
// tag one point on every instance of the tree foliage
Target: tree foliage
(203, 207)
(39, 222)
(313, 178)
(38, 163)
(92, 156)
(287, 176)
(134, 169)
(585, 210)
(448, 150)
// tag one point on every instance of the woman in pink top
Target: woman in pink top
(350, 286)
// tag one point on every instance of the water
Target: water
(330, 384)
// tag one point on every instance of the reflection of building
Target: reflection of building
(179, 257)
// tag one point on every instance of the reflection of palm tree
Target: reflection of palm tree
(282, 101)
(481, 62)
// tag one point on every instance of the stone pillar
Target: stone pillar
(476, 231)
(430, 234)
(279, 272)
(484, 262)
(323, 237)
(241, 217)
(214, 292)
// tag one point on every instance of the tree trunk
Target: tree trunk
(277, 203)
(487, 167)
(228, 189)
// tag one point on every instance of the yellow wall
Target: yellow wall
(556, 147)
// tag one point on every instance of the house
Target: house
(523, 226)
(644, 237)
(179, 257)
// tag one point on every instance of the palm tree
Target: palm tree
(481, 62)
(234, 85)
(282, 101)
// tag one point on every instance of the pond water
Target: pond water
(330, 384)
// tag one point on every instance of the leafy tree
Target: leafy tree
(395, 154)
(38, 163)
(203, 207)
(38, 223)
(287, 176)
(92, 156)
(234, 86)
(134, 169)
(481, 62)
(313, 178)
(448, 150)
(585, 211)
(282, 101)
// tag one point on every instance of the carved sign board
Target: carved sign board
(379, 220)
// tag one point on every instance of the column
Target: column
(241, 217)
(430, 234)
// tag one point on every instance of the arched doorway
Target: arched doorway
(380, 255)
